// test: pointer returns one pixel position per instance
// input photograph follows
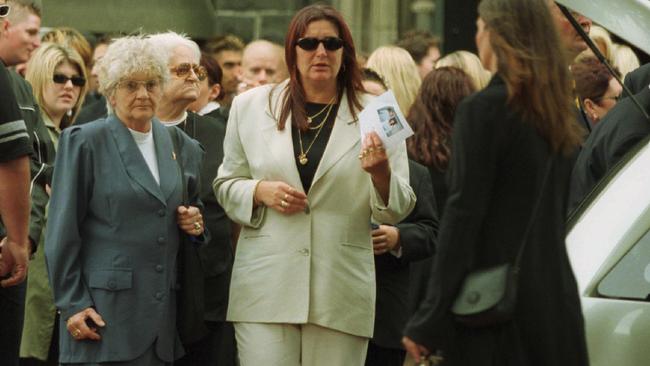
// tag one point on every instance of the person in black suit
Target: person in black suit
(506, 139)
(210, 91)
(638, 79)
(396, 249)
(619, 132)
(213, 342)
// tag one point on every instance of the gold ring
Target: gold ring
(380, 148)
(286, 196)
(76, 333)
(361, 156)
(284, 203)
(371, 149)
(197, 226)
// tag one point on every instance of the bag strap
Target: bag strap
(520, 253)
(174, 134)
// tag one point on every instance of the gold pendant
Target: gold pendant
(302, 158)
(308, 120)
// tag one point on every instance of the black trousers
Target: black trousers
(218, 348)
(382, 356)
(12, 312)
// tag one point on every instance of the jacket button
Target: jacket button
(473, 298)
(161, 212)
(159, 268)
(159, 295)
(304, 251)
(112, 285)
(161, 240)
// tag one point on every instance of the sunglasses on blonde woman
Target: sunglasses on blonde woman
(183, 70)
(4, 10)
(311, 43)
(62, 79)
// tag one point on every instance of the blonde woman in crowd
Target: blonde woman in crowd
(624, 59)
(400, 73)
(58, 78)
(471, 64)
(603, 41)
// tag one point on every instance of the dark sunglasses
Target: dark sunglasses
(311, 43)
(183, 70)
(62, 79)
(4, 10)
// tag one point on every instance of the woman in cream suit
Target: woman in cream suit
(305, 186)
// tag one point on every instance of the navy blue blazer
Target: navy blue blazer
(112, 238)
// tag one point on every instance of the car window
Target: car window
(630, 277)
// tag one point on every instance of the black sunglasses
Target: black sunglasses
(311, 43)
(4, 10)
(62, 79)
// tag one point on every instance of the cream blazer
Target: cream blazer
(315, 267)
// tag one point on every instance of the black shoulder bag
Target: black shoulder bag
(190, 306)
(489, 296)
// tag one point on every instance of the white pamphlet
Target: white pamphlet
(383, 116)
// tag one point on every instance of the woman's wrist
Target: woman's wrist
(256, 201)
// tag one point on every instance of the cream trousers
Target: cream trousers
(271, 344)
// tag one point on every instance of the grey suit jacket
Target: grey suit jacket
(112, 238)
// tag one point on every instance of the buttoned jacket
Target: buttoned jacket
(314, 266)
(112, 238)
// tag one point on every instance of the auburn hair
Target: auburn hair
(432, 115)
(348, 78)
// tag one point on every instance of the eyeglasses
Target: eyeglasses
(63, 79)
(4, 10)
(183, 70)
(615, 98)
(311, 43)
(133, 86)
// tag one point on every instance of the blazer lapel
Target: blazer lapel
(345, 135)
(280, 143)
(132, 158)
(167, 166)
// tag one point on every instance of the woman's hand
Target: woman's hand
(385, 239)
(374, 160)
(190, 220)
(415, 350)
(280, 197)
(83, 325)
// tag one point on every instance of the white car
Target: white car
(609, 238)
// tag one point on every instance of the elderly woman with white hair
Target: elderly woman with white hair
(124, 190)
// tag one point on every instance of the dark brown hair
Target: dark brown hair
(348, 78)
(214, 71)
(432, 115)
(418, 43)
(591, 77)
(527, 47)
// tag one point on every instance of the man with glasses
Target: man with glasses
(210, 340)
(18, 39)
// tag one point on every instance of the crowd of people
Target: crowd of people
(166, 202)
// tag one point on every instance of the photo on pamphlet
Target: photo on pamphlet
(390, 122)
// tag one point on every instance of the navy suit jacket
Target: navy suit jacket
(112, 238)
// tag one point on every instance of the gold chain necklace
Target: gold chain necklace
(311, 118)
(324, 119)
(302, 157)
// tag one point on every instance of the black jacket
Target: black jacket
(417, 239)
(621, 129)
(638, 79)
(217, 256)
(495, 174)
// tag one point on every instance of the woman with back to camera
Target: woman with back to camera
(304, 185)
(117, 211)
(58, 78)
(512, 144)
